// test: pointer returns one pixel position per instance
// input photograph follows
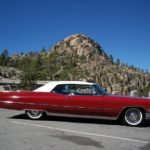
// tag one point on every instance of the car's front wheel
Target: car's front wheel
(133, 117)
(34, 114)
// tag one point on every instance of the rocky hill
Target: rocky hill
(78, 57)
(88, 61)
(9, 73)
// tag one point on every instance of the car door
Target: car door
(83, 100)
(58, 99)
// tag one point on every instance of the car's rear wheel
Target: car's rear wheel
(34, 114)
(133, 117)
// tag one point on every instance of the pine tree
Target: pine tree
(4, 57)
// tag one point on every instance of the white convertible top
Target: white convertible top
(50, 85)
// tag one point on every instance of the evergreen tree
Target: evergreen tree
(43, 50)
(30, 73)
(111, 59)
(118, 62)
(4, 57)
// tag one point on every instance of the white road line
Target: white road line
(79, 132)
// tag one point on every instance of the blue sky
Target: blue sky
(121, 27)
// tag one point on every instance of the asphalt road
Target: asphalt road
(59, 133)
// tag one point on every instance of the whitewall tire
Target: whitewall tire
(133, 117)
(34, 114)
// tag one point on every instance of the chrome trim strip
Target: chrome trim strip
(62, 114)
(96, 108)
(65, 106)
(22, 103)
(67, 115)
(8, 102)
(80, 116)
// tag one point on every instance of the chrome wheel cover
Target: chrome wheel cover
(34, 114)
(133, 116)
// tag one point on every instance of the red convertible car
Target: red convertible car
(75, 98)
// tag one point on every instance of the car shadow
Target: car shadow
(145, 124)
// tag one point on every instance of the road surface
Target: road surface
(59, 133)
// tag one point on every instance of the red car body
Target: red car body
(92, 106)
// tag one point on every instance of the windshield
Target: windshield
(100, 90)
